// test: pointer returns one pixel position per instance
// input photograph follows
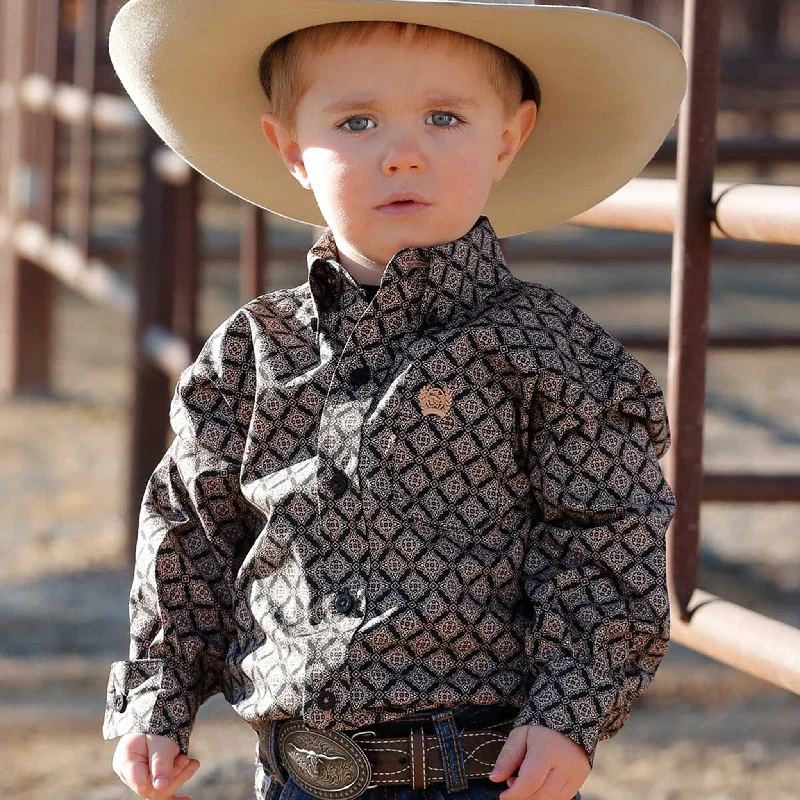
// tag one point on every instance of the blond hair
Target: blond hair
(285, 82)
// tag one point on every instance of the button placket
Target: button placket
(343, 602)
(338, 482)
(359, 376)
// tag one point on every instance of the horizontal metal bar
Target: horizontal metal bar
(92, 278)
(751, 67)
(71, 104)
(741, 638)
(744, 212)
(747, 341)
(170, 167)
(754, 212)
(719, 487)
(168, 350)
(732, 151)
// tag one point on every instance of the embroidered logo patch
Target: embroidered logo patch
(433, 400)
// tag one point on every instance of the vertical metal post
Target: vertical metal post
(187, 262)
(25, 289)
(765, 19)
(83, 134)
(155, 293)
(691, 267)
(625, 7)
(5, 101)
(251, 252)
(48, 54)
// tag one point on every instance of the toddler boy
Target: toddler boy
(412, 522)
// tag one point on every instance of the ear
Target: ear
(288, 149)
(514, 136)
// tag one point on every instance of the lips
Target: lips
(403, 198)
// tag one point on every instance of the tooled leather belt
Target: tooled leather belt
(332, 765)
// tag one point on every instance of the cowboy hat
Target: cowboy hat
(611, 87)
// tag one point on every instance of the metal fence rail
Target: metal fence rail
(35, 97)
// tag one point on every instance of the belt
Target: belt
(332, 765)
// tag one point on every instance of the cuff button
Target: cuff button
(120, 702)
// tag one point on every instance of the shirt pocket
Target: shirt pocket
(451, 465)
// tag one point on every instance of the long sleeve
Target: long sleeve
(595, 566)
(193, 526)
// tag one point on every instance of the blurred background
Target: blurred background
(68, 444)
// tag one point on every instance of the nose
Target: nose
(403, 155)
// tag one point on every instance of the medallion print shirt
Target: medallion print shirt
(445, 494)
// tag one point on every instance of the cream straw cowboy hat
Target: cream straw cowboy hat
(611, 87)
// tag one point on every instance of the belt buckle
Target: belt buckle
(327, 764)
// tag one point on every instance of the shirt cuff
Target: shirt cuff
(565, 700)
(148, 696)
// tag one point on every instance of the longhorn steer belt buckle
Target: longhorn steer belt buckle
(326, 764)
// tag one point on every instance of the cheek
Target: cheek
(334, 172)
(465, 174)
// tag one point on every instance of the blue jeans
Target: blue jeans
(281, 786)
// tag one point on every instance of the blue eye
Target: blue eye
(440, 114)
(356, 130)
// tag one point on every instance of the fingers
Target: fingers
(535, 752)
(511, 754)
(131, 763)
(140, 760)
(186, 768)
(553, 787)
(163, 753)
(533, 771)
(137, 778)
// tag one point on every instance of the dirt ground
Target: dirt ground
(702, 730)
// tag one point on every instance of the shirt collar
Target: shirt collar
(420, 286)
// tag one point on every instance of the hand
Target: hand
(554, 766)
(142, 760)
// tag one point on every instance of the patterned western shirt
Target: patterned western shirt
(447, 495)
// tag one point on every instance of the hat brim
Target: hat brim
(611, 89)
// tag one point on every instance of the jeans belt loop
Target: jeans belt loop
(453, 759)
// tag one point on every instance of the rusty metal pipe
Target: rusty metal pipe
(741, 638)
(690, 293)
(740, 211)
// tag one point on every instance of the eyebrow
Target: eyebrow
(354, 104)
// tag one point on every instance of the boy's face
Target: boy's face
(409, 140)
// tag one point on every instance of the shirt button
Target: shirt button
(338, 482)
(343, 602)
(326, 698)
(359, 376)
(120, 702)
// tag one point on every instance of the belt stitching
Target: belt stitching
(470, 754)
(411, 739)
(424, 762)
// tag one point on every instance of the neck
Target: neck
(361, 268)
